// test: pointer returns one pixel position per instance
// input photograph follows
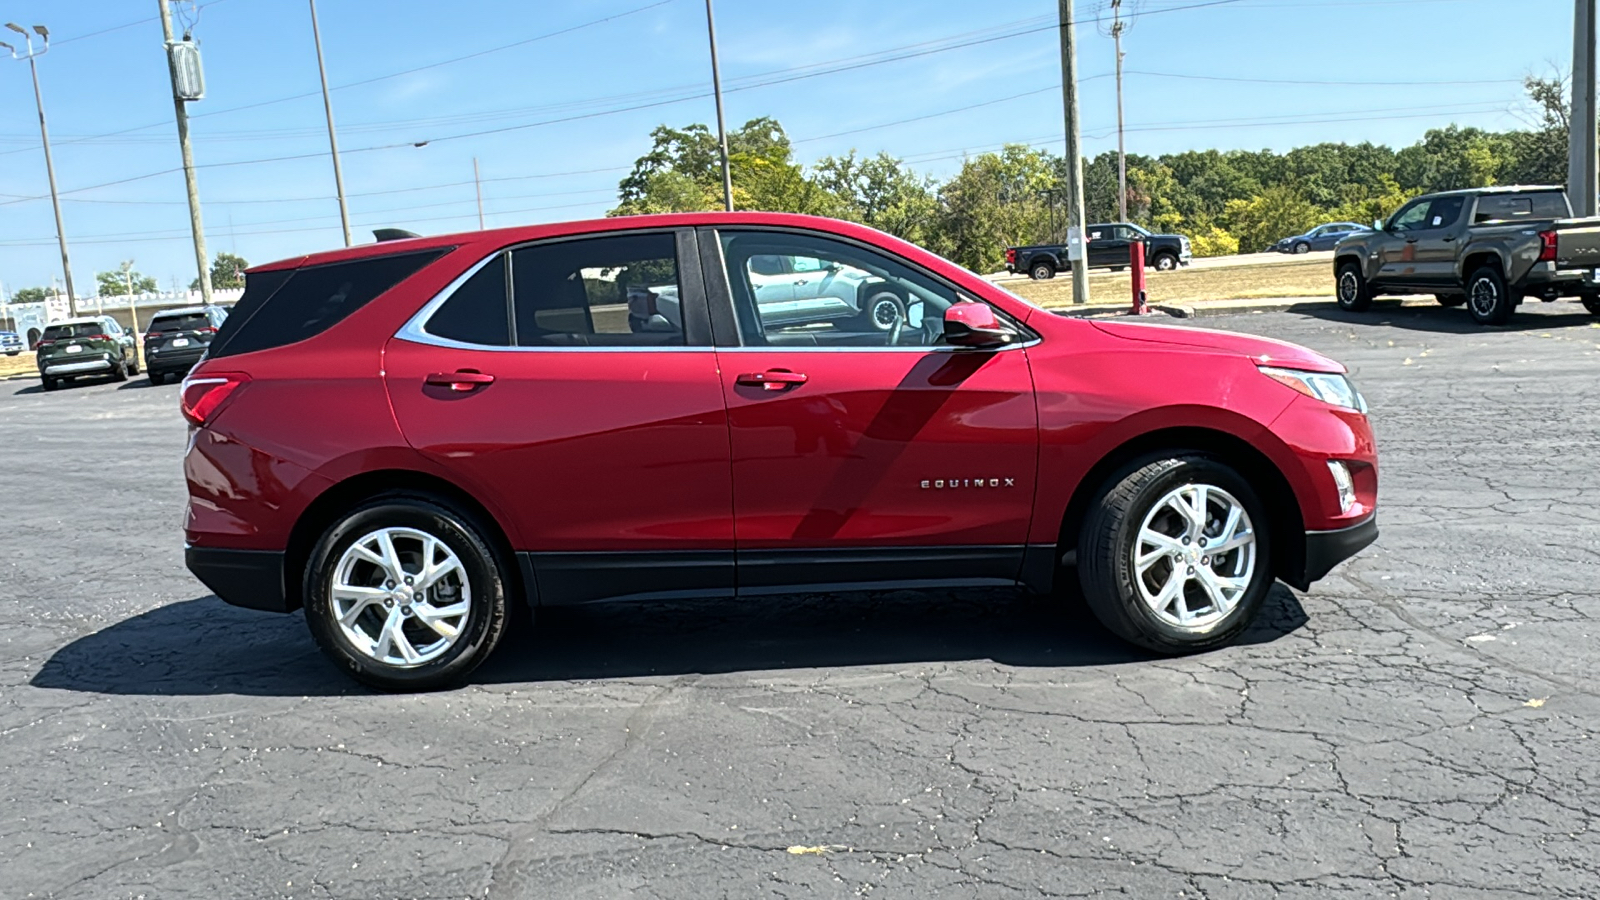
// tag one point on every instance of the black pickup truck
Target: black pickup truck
(1485, 248)
(1109, 248)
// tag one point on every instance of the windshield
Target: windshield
(185, 322)
(81, 330)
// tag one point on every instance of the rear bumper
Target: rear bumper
(1326, 549)
(252, 579)
(182, 360)
(77, 368)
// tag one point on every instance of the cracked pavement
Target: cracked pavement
(1421, 724)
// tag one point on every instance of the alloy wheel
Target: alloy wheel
(1349, 288)
(885, 312)
(400, 596)
(1195, 556)
(1484, 297)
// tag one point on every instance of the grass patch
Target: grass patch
(1298, 278)
(23, 364)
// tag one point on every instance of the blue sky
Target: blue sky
(575, 108)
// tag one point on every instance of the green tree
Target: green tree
(34, 294)
(115, 284)
(682, 172)
(227, 273)
(1280, 211)
(995, 201)
(880, 192)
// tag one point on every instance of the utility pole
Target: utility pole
(477, 184)
(1117, 26)
(1076, 249)
(133, 314)
(180, 109)
(333, 137)
(722, 129)
(44, 137)
(1583, 165)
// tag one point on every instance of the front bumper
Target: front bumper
(77, 368)
(1326, 549)
(252, 579)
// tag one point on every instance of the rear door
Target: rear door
(867, 456)
(601, 435)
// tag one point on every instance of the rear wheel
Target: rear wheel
(882, 309)
(1042, 271)
(120, 372)
(1175, 555)
(1450, 300)
(157, 378)
(133, 364)
(1488, 298)
(406, 593)
(1354, 294)
(49, 383)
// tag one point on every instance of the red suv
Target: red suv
(408, 438)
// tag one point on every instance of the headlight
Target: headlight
(1324, 386)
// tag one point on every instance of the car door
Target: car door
(1397, 250)
(1434, 251)
(1325, 237)
(1110, 246)
(602, 435)
(865, 456)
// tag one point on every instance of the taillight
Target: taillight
(200, 398)
(1547, 246)
(1011, 256)
(43, 344)
(207, 330)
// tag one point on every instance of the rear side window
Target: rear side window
(612, 291)
(1516, 207)
(285, 307)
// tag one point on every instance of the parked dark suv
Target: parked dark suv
(89, 345)
(177, 338)
(408, 438)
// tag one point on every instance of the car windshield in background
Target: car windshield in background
(63, 332)
(185, 322)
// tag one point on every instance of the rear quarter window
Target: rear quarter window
(287, 306)
(1519, 207)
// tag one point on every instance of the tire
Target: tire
(120, 373)
(1591, 302)
(1042, 271)
(1450, 300)
(1302, 247)
(881, 308)
(157, 378)
(1136, 506)
(133, 364)
(1488, 298)
(476, 577)
(49, 383)
(1351, 288)
(13, 352)
(1164, 262)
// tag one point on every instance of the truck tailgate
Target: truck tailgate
(1578, 243)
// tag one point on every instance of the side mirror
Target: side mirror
(974, 325)
(1377, 225)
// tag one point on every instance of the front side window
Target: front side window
(1412, 217)
(1445, 211)
(841, 295)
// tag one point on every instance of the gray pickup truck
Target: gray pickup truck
(1486, 248)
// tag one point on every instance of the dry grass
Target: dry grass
(21, 364)
(1296, 278)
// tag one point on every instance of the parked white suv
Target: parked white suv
(790, 291)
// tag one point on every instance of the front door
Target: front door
(1397, 252)
(871, 456)
(1108, 245)
(1438, 240)
(602, 436)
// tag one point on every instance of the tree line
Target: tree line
(1226, 201)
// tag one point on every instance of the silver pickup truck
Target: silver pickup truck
(1485, 248)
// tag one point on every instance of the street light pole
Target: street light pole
(1077, 251)
(477, 184)
(722, 129)
(1583, 163)
(49, 161)
(333, 137)
(180, 109)
(1117, 26)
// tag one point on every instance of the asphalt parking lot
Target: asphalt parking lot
(1419, 725)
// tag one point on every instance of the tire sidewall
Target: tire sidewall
(1302, 247)
(876, 296)
(486, 576)
(1149, 629)
(1359, 298)
(1165, 262)
(1499, 310)
(1041, 272)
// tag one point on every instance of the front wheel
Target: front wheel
(1302, 247)
(405, 593)
(1175, 556)
(1489, 299)
(1164, 262)
(1354, 294)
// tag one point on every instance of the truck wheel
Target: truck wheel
(1355, 295)
(1450, 300)
(1591, 302)
(1175, 555)
(1488, 298)
(1164, 262)
(1042, 271)
(882, 309)
(1302, 247)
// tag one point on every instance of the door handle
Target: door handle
(772, 379)
(1411, 240)
(462, 381)
(1448, 238)
(800, 282)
